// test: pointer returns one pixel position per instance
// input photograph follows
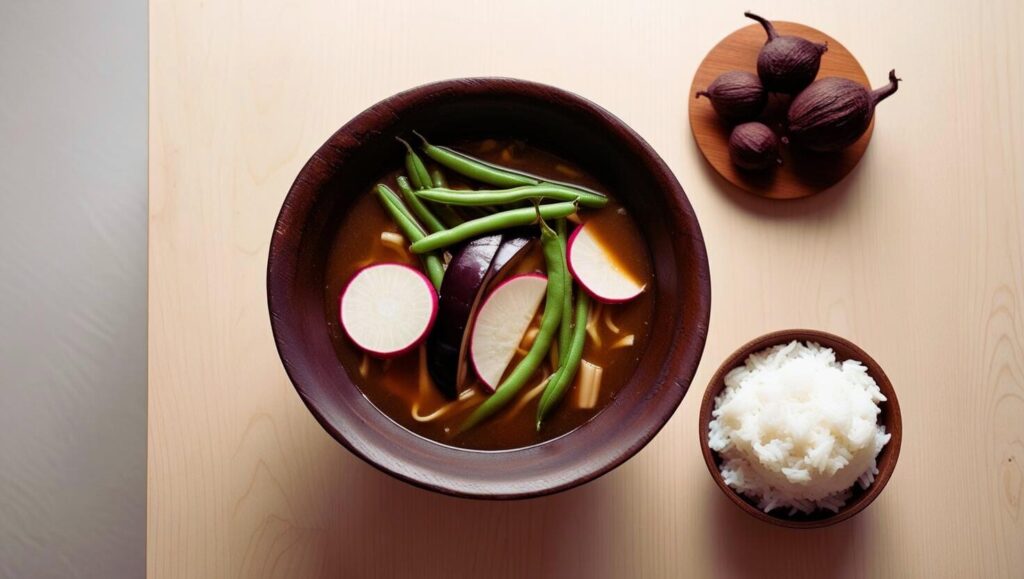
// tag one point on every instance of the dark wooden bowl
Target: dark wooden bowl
(890, 417)
(360, 153)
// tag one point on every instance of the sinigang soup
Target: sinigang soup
(488, 296)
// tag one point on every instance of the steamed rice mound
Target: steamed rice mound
(795, 429)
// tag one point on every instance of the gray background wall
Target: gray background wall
(73, 192)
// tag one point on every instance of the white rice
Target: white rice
(795, 429)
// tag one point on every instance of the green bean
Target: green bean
(475, 168)
(596, 196)
(446, 214)
(414, 167)
(435, 270)
(513, 195)
(495, 222)
(400, 213)
(549, 321)
(425, 216)
(437, 178)
(411, 230)
(559, 384)
(565, 330)
(469, 211)
(492, 174)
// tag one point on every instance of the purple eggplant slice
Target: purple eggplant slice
(469, 272)
(513, 248)
(458, 299)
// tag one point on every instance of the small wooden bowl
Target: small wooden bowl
(802, 172)
(890, 417)
(359, 153)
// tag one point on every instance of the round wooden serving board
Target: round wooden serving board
(802, 172)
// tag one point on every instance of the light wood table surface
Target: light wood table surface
(916, 256)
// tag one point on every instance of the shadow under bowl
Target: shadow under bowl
(361, 153)
(889, 417)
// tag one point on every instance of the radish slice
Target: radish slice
(501, 323)
(387, 309)
(595, 268)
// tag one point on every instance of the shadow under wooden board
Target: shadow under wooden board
(802, 173)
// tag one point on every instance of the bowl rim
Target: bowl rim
(894, 424)
(677, 368)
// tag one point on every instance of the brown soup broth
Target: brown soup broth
(401, 387)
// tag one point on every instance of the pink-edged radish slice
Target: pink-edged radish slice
(596, 269)
(387, 309)
(500, 324)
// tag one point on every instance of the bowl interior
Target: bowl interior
(889, 416)
(355, 157)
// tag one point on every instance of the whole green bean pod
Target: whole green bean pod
(475, 169)
(437, 178)
(407, 224)
(440, 182)
(563, 378)
(564, 330)
(495, 222)
(446, 214)
(411, 230)
(489, 173)
(414, 166)
(550, 319)
(427, 218)
(513, 195)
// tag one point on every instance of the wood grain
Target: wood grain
(801, 173)
(917, 256)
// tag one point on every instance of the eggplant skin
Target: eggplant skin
(830, 115)
(787, 64)
(753, 147)
(736, 96)
(458, 298)
(513, 247)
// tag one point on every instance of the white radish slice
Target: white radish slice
(595, 268)
(387, 309)
(501, 323)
